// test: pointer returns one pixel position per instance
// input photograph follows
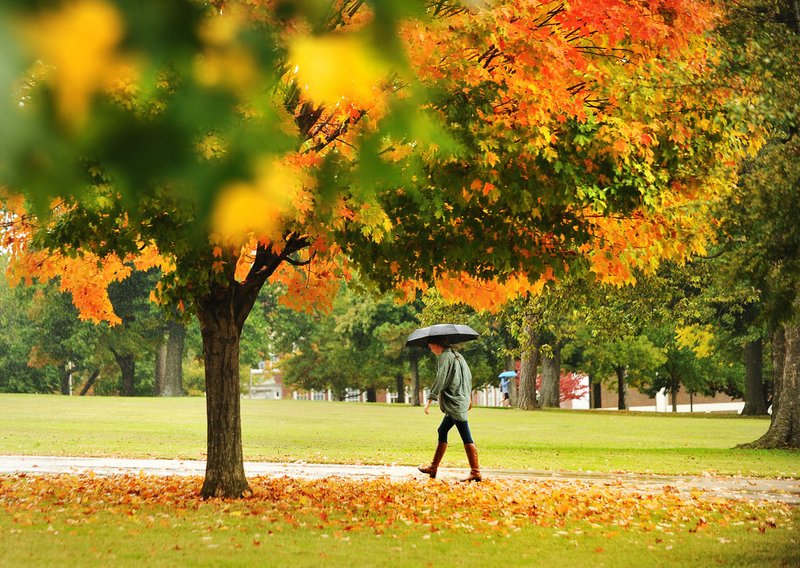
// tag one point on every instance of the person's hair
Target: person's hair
(440, 341)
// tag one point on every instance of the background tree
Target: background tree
(15, 348)
(759, 218)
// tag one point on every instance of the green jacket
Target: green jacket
(453, 385)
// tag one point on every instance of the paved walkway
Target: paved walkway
(751, 488)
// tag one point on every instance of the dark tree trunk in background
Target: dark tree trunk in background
(173, 364)
(127, 367)
(66, 374)
(372, 394)
(550, 395)
(161, 369)
(415, 378)
(755, 400)
(622, 387)
(784, 428)
(400, 384)
(526, 397)
(674, 386)
(596, 394)
(89, 382)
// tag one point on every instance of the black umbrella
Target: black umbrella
(450, 332)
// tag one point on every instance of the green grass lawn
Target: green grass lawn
(135, 520)
(327, 432)
(70, 520)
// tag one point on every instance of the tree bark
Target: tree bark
(221, 334)
(550, 395)
(415, 379)
(222, 310)
(400, 384)
(784, 428)
(526, 397)
(372, 394)
(173, 363)
(675, 385)
(161, 368)
(755, 400)
(90, 381)
(622, 387)
(597, 394)
(66, 373)
(127, 367)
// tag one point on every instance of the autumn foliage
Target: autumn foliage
(341, 506)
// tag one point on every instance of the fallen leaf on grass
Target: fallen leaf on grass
(341, 505)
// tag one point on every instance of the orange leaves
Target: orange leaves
(85, 278)
(642, 240)
(339, 506)
(488, 294)
(313, 287)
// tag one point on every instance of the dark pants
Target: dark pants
(463, 429)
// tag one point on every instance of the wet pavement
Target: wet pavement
(706, 486)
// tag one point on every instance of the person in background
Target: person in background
(504, 390)
(453, 390)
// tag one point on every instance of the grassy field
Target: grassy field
(79, 520)
(326, 432)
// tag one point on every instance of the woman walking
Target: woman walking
(453, 389)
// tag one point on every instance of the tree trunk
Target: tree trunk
(526, 397)
(127, 367)
(161, 368)
(221, 333)
(550, 395)
(784, 429)
(400, 384)
(173, 364)
(222, 311)
(372, 394)
(66, 374)
(597, 394)
(755, 401)
(675, 384)
(622, 387)
(89, 382)
(415, 379)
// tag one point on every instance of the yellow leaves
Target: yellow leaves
(211, 146)
(79, 41)
(225, 61)
(333, 68)
(255, 208)
(374, 222)
(698, 338)
(233, 67)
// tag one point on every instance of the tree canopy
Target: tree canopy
(232, 143)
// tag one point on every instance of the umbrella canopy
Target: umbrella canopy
(507, 374)
(450, 332)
